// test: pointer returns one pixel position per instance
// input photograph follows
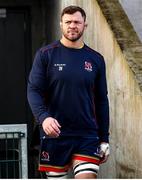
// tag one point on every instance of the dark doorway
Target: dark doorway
(15, 63)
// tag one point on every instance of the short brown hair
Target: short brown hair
(72, 10)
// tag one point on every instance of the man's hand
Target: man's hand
(51, 127)
(104, 152)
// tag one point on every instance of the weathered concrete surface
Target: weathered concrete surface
(125, 35)
(133, 9)
(115, 38)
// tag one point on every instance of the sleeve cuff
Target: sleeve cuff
(104, 139)
(43, 117)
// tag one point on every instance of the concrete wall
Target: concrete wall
(133, 9)
(124, 95)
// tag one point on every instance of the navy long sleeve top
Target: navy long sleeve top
(70, 85)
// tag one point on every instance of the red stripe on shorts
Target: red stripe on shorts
(52, 168)
(86, 158)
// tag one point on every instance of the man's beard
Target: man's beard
(73, 39)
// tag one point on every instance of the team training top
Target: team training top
(70, 85)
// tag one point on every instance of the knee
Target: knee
(56, 175)
(85, 170)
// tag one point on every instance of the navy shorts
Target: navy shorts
(57, 154)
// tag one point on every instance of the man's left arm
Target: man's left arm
(102, 110)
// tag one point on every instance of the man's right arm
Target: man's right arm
(37, 86)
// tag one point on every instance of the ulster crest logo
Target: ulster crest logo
(45, 156)
(88, 66)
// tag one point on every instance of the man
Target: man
(67, 93)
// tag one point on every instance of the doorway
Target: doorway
(15, 63)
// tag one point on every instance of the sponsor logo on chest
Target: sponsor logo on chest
(87, 66)
(60, 66)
